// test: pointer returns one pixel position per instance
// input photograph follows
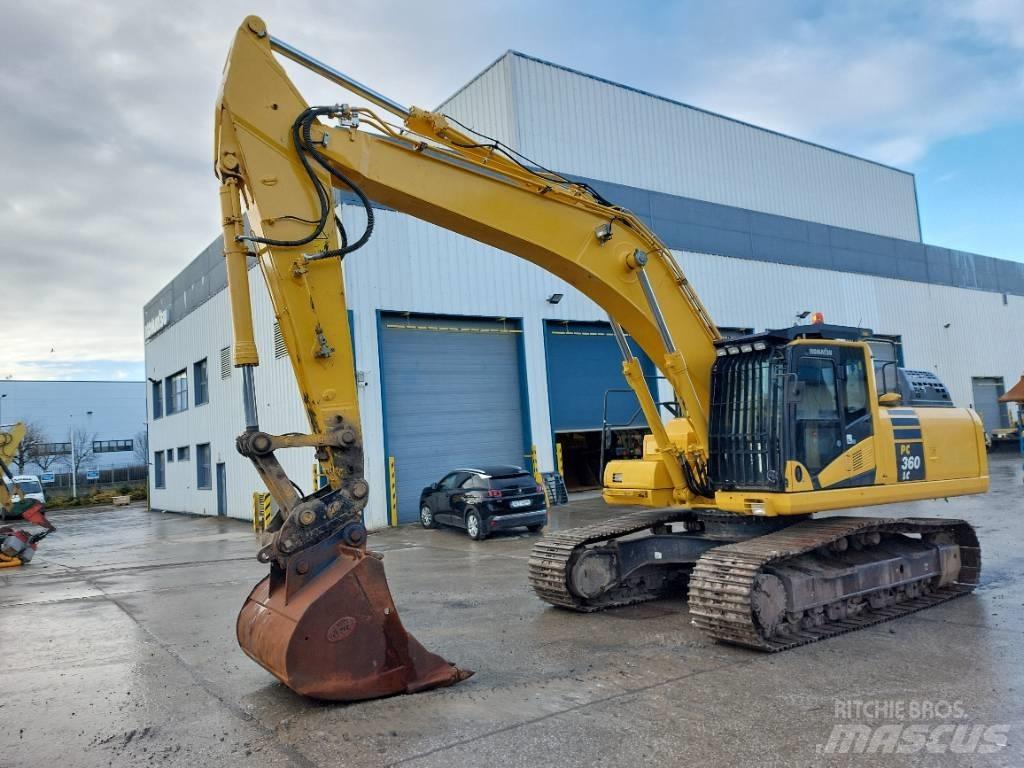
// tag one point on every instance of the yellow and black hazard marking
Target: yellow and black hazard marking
(906, 430)
(262, 511)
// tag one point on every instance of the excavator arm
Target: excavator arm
(279, 162)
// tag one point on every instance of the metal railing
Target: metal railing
(606, 428)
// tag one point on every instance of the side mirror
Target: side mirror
(890, 398)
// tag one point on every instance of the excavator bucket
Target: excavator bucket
(326, 627)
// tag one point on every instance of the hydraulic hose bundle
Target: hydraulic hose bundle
(305, 147)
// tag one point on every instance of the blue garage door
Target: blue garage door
(452, 398)
(583, 362)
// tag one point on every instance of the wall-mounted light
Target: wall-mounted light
(554, 298)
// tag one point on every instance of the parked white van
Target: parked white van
(30, 487)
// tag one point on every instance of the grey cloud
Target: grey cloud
(107, 118)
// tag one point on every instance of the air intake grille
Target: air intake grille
(745, 428)
(857, 462)
(225, 363)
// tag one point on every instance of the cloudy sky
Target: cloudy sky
(106, 120)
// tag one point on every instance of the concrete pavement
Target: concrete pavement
(119, 650)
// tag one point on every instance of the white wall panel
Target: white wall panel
(416, 267)
(582, 125)
(202, 334)
(485, 103)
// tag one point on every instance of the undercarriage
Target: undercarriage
(763, 583)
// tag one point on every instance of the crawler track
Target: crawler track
(552, 557)
(723, 581)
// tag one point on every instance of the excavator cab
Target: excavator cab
(809, 409)
(786, 405)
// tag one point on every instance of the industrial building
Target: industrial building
(468, 355)
(105, 420)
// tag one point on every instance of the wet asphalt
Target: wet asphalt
(118, 649)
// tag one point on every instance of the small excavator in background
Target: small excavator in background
(772, 427)
(17, 545)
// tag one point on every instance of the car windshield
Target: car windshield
(30, 486)
(522, 480)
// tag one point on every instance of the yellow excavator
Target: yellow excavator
(17, 545)
(772, 427)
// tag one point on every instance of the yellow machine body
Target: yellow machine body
(945, 448)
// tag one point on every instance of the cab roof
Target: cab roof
(815, 331)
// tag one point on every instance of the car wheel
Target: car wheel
(475, 526)
(534, 528)
(427, 517)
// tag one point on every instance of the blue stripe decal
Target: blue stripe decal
(908, 434)
(905, 421)
(902, 412)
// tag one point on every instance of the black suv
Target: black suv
(485, 499)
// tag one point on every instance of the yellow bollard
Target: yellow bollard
(393, 490)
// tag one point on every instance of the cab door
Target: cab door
(831, 414)
(854, 399)
(816, 436)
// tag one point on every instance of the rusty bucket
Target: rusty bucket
(326, 626)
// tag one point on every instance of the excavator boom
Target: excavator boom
(770, 429)
(323, 620)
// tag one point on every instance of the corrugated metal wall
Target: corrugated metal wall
(582, 125)
(410, 266)
(584, 362)
(487, 100)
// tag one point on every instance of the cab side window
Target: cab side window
(449, 481)
(819, 401)
(818, 425)
(855, 378)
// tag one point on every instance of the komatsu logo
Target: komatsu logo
(822, 351)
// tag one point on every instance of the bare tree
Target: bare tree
(29, 445)
(44, 458)
(82, 448)
(142, 447)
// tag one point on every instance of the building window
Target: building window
(158, 469)
(176, 389)
(203, 476)
(183, 453)
(202, 388)
(158, 400)
(170, 455)
(51, 449)
(225, 363)
(112, 446)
